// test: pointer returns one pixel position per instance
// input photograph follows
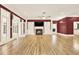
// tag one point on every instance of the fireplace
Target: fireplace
(39, 31)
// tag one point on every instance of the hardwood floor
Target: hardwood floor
(42, 45)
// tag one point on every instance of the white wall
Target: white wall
(30, 28)
(23, 29)
(5, 18)
(55, 27)
(47, 29)
(15, 27)
(76, 31)
(26, 28)
(18, 26)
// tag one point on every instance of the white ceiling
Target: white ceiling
(56, 11)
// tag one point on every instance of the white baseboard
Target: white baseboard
(65, 34)
(3, 43)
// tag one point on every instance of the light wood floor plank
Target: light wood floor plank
(42, 45)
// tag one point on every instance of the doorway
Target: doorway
(76, 28)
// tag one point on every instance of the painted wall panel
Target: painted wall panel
(54, 28)
(30, 28)
(19, 25)
(23, 28)
(47, 29)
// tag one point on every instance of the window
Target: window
(78, 26)
(15, 28)
(23, 28)
(4, 24)
(5, 28)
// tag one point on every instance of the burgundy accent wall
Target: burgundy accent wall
(65, 25)
(62, 28)
(69, 27)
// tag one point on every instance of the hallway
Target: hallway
(42, 45)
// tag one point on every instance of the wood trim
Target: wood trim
(24, 20)
(27, 26)
(54, 22)
(41, 20)
(10, 11)
(11, 16)
(0, 24)
(50, 25)
(43, 29)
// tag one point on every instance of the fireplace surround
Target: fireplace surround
(39, 31)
